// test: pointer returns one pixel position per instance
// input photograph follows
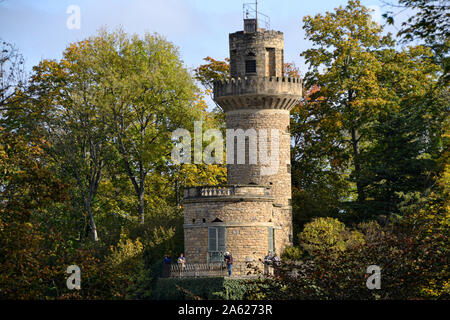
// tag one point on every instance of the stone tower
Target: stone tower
(252, 214)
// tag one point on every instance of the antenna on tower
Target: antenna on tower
(256, 9)
(251, 14)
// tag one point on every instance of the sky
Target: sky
(200, 28)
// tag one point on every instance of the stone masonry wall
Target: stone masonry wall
(247, 223)
(280, 182)
(256, 46)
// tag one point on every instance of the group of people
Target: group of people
(167, 260)
(269, 259)
(181, 260)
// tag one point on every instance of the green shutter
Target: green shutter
(221, 232)
(212, 239)
(271, 239)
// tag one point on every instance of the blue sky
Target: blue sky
(199, 28)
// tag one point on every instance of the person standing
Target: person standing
(166, 266)
(181, 263)
(229, 261)
(267, 263)
(276, 264)
(167, 259)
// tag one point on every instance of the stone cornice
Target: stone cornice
(232, 224)
(230, 199)
(256, 92)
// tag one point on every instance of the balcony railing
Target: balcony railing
(216, 191)
(205, 270)
(226, 191)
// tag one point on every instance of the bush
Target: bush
(187, 288)
(127, 264)
(328, 235)
(414, 265)
(292, 254)
(212, 289)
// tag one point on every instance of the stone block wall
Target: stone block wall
(246, 219)
(257, 46)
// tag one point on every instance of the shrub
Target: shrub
(292, 254)
(328, 235)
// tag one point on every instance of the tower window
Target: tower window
(270, 62)
(250, 66)
(233, 62)
(271, 239)
(216, 243)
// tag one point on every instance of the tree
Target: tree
(125, 92)
(430, 23)
(344, 66)
(364, 82)
(149, 94)
(215, 70)
(319, 163)
(75, 123)
(328, 235)
(12, 74)
(207, 74)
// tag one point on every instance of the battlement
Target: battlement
(261, 34)
(258, 92)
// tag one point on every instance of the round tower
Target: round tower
(252, 214)
(258, 99)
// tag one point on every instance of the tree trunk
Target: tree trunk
(177, 190)
(92, 220)
(356, 162)
(139, 186)
(141, 205)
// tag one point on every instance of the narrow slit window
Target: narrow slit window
(271, 239)
(270, 62)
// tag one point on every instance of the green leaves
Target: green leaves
(359, 82)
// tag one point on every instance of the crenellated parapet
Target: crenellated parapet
(257, 92)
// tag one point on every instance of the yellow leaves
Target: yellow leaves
(126, 249)
(201, 174)
(328, 235)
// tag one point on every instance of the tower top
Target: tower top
(253, 18)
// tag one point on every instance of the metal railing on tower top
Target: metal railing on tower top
(250, 11)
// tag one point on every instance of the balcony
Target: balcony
(199, 270)
(228, 191)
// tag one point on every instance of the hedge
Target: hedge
(218, 288)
